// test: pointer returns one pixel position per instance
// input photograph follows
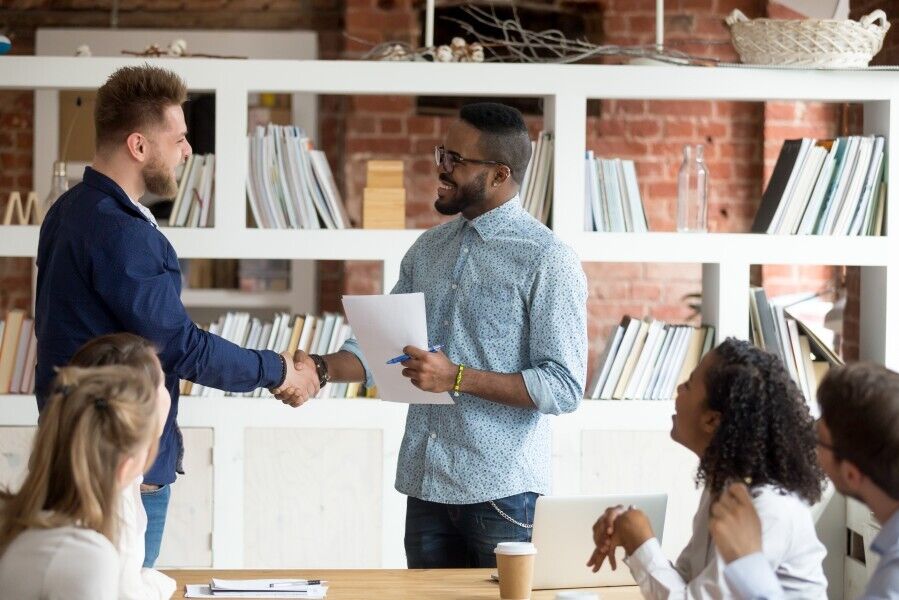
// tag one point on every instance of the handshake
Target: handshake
(301, 382)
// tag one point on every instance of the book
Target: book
(9, 345)
(780, 178)
(612, 196)
(651, 369)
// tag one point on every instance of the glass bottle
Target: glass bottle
(692, 191)
(59, 184)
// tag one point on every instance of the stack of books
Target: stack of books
(290, 185)
(193, 202)
(536, 191)
(312, 334)
(804, 352)
(648, 359)
(613, 201)
(826, 187)
(18, 351)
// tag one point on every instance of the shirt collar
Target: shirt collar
(98, 180)
(887, 541)
(491, 223)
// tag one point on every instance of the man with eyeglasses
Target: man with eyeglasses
(507, 300)
(858, 448)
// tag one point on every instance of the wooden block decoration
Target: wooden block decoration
(384, 208)
(384, 198)
(384, 174)
(27, 215)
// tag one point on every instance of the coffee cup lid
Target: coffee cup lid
(515, 548)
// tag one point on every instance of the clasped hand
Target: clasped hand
(429, 371)
(618, 526)
(301, 382)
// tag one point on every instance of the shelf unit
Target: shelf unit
(565, 89)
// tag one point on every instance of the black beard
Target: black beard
(472, 194)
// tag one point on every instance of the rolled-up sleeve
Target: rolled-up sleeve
(558, 333)
(129, 273)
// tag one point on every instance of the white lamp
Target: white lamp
(660, 37)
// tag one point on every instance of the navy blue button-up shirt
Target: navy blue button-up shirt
(103, 267)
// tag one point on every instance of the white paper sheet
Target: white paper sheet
(383, 326)
(203, 591)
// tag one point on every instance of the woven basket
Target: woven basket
(809, 42)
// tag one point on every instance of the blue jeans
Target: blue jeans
(441, 536)
(156, 503)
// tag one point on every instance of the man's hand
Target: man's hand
(300, 384)
(429, 371)
(300, 358)
(734, 524)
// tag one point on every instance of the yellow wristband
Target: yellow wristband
(458, 380)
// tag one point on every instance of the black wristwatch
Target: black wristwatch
(321, 369)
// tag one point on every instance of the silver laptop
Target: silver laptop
(563, 535)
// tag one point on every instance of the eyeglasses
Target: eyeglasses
(447, 159)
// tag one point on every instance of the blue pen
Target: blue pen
(405, 357)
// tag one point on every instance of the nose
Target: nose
(187, 149)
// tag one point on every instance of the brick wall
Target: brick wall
(742, 139)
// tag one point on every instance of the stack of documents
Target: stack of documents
(259, 588)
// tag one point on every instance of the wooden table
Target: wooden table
(400, 584)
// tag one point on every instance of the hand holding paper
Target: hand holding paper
(386, 326)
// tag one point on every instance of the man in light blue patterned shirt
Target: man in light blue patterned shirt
(508, 302)
(858, 448)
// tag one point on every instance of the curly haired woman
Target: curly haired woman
(747, 421)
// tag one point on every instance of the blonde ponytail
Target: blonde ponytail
(95, 418)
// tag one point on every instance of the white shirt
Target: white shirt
(63, 563)
(789, 544)
(752, 578)
(135, 582)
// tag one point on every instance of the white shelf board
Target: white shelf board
(374, 244)
(298, 244)
(193, 411)
(236, 299)
(364, 77)
(746, 248)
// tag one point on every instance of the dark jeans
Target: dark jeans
(440, 536)
(156, 504)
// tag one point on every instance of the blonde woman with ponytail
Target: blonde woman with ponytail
(136, 581)
(58, 532)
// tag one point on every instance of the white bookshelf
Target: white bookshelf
(565, 89)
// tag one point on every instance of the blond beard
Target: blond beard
(158, 180)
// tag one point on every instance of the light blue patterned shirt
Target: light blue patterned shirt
(751, 576)
(503, 294)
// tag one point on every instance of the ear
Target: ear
(709, 421)
(138, 147)
(502, 174)
(852, 476)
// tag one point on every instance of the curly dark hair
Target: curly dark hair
(766, 433)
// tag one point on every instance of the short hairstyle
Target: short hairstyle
(766, 434)
(860, 406)
(504, 135)
(134, 98)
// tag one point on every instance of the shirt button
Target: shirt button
(464, 249)
(455, 286)
(446, 322)
(433, 435)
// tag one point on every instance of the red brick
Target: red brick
(390, 125)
